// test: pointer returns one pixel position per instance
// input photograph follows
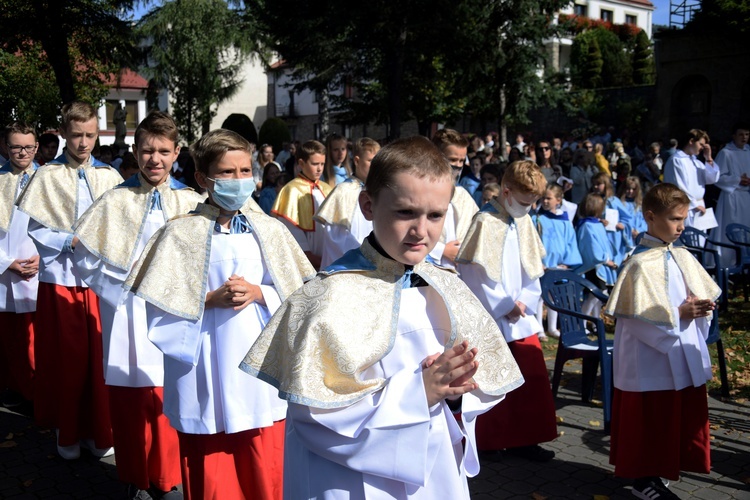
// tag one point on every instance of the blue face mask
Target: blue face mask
(231, 194)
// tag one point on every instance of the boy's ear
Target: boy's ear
(648, 215)
(200, 178)
(365, 204)
(356, 161)
(134, 147)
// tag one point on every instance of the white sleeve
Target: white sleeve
(105, 280)
(660, 338)
(5, 261)
(531, 293)
(437, 252)
(49, 243)
(337, 240)
(492, 295)
(711, 173)
(176, 337)
(728, 180)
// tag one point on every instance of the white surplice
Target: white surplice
(204, 390)
(16, 294)
(55, 263)
(692, 176)
(338, 239)
(389, 444)
(130, 359)
(734, 201)
(500, 298)
(657, 358)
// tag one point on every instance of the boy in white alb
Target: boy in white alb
(346, 227)
(501, 262)
(375, 352)
(19, 265)
(211, 279)
(112, 234)
(70, 391)
(299, 199)
(690, 174)
(663, 301)
(462, 207)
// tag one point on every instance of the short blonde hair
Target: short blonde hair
(448, 137)
(210, 148)
(309, 148)
(526, 177)
(77, 111)
(663, 197)
(365, 144)
(414, 155)
(591, 206)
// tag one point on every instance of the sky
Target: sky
(661, 13)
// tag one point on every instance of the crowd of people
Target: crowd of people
(349, 320)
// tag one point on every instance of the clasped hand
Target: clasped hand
(449, 375)
(235, 293)
(25, 268)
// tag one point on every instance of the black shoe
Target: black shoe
(173, 494)
(134, 493)
(652, 488)
(535, 453)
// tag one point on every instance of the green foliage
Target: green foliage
(616, 65)
(197, 50)
(730, 18)
(630, 114)
(643, 61)
(594, 63)
(274, 132)
(243, 125)
(82, 41)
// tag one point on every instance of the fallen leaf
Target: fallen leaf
(8, 444)
(538, 496)
(559, 419)
(601, 497)
(714, 427)
(561, 433)
(595, 423)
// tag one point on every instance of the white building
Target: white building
(251, 98)
(636, 12)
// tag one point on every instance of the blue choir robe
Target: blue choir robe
(559, 239)
(622, 240)
(639, 222)
(596, 249)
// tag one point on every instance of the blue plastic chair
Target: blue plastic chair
(696, 239)
(739, 234)
(563, 291)
(714, 337)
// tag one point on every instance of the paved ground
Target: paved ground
(30, 467)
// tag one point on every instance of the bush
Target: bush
(243, 125)
(275, 132)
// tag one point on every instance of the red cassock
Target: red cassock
(17, 347)
(243, 465)
(660, 433)
(70, 394)
(527, 415)
(146, 446)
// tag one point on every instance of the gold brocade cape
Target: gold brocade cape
(339, 207)
(10, 178)
(464, 208)
(51, 197)
(112, 226)
(172, 272)
(642, 288)
(295, 202)
(328, 332)
(485, 242)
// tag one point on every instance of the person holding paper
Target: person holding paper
(690, 174)
(734, 181)
(618, 221)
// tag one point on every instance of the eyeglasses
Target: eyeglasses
(17, 149)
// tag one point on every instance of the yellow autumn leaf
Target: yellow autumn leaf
(595, 423)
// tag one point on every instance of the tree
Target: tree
(616, 68)
(594, 62)
(196, 51)
(274, 132)
(503, 79)
(730, 18)
(81, 40)
(643, 61)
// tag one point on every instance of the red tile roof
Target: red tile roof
(128, 79)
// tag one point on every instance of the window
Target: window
(607, 15)
(580, 10)
(631, 19)
(131, 121)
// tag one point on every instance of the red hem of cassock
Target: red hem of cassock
(69, 389)
(527, 415)
(17, 345)
(660, 433)
(146, 446)
(247, 464)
